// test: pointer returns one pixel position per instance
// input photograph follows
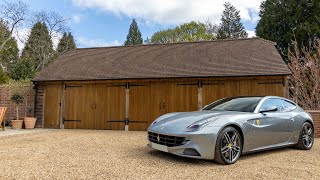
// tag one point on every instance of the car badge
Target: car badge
(258, 122)
(158, 138)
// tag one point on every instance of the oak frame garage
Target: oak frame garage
(128, 87)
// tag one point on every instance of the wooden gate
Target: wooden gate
(94, 106)
(149, 101)
(52, 106)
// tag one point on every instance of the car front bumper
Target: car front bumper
(199, 145)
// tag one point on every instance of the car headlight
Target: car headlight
(196, 126)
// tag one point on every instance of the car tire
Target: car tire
(234, 146)
(306, 137)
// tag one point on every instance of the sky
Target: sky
(96, 23)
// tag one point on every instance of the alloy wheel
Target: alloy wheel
(231, 146)
(307, 135)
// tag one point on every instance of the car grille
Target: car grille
(170, 141)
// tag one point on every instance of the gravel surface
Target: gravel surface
(90, 154)
(11, 132)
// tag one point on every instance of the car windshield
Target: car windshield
(241, 104)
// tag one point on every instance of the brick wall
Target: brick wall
(316, 119)
(5, 95)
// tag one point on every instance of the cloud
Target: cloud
(251, 34)
(56, 39)
(76, 19)
(85, 42)
(172, 11)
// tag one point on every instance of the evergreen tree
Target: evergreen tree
(230, 26)
(62, 45)
(39, 48)
(284, 21)
(66, 43)
(10, 52)
(134, 35)
(72, 44)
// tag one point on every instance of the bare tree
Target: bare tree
(13, 15)
(56, 26)
(212, 28)
(305, 80)
(56, 23)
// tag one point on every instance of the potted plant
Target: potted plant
(29, 122)
(17, 99)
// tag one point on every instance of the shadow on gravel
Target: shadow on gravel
(174, 158)
(170, 157)
(265, 153)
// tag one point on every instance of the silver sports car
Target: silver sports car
(227, 128)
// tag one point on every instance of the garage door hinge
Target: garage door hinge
(65, 87)
(274, 82)
(70, 120)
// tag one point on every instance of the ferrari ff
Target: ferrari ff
(230, 127)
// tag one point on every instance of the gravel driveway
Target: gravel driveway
(91, 154)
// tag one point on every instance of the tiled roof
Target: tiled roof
(221, 58)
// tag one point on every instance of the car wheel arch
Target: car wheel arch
(309, 121)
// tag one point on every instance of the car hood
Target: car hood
(180, 121)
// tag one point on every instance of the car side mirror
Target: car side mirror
(270, 109)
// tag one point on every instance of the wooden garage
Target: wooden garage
(128, 87)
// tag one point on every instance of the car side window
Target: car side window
(282, 105)
(272, 102)
(288, 106)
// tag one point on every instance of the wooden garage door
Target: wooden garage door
(149, 101)
(215, 90)
(53, 95)
(261, 87)
(110, 106)
(94, 106)
(79, 106)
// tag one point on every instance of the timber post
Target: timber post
(199, 95)
(126, 127)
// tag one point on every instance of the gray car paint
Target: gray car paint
(276, 129)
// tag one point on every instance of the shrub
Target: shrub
(4, 78)
(22, 69)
